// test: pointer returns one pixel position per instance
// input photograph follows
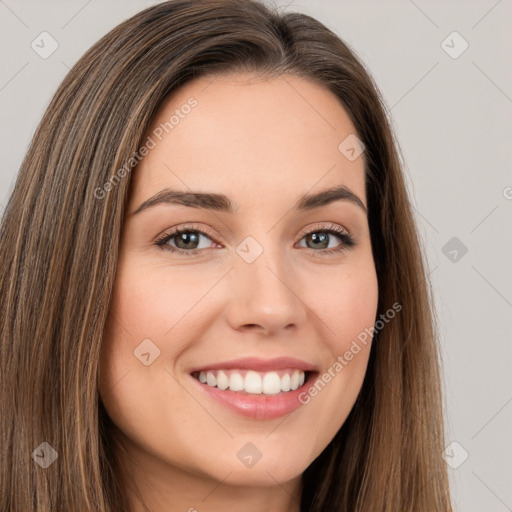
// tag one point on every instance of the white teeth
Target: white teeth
(222, 380)
(266, 383)
(271, 383)
(236, 382)
(253, 382)
(211, 380)
(285, 382)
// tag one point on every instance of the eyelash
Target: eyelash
(346, 238)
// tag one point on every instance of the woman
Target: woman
(212, 291)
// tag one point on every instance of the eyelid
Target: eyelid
(171, 232)
(324, 226)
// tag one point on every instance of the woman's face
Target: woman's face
(267, 280)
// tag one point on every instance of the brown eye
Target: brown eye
(319, 241)
(187, 240)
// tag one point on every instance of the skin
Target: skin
(264, 142)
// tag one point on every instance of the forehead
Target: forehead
(261, 138)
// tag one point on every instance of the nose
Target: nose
(266, 295)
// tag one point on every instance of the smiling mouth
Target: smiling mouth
(255, 382)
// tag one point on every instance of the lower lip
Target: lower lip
(262, 407)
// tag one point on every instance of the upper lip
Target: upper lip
(256, 363)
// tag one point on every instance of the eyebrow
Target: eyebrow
(222, 203)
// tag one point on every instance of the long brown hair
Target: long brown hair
(59, 242)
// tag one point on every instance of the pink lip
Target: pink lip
(262, 407)
(257, 364)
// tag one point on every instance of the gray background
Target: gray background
(452, 117)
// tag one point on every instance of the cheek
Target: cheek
(131, 390)
(356, 313)
(354, 310)
(160, 300)
(149, 307)
(346, 303)
(347, 307)
(130, 323)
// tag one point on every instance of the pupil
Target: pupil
(319, 238)
(186, 238)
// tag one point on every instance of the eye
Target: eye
(186, 240)
(320, 235)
